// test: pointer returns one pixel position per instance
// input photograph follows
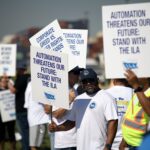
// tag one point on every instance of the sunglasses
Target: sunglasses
(85, 81)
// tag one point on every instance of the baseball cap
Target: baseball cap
(88, 73)
(76, 70)
(21, 66)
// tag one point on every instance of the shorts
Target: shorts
(7, 130)
(36, 135)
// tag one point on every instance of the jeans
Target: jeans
(24, 129)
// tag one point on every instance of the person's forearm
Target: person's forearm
(111, 131)
(63, 127)
(11, 88)
(66, 126)
(135, 83)
(59, 113)
(144, 101)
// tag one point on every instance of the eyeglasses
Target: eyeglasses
(85, 81)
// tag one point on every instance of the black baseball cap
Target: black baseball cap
(88, 73)
(22, 66)
(76, 70)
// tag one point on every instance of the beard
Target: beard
(91, 91)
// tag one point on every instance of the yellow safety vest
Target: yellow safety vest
(135, 121)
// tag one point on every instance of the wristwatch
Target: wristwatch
(108, 146)
(138, 89)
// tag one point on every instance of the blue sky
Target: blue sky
(17, 15)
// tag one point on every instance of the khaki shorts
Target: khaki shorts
(36, 135)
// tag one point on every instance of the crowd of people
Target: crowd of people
(112, 118)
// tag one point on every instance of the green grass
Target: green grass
(45, 144)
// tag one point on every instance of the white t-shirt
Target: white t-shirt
(92, 115)
(64, 139)
(36, 113)
(122, 96)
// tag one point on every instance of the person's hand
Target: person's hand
(105, 148)
(5, 75)
(53, 127)
(132, 78)
(123, 145)
(10, 84)
(47, 108)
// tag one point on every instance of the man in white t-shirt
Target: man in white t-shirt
(93, 114)
(37, 119)
(122, 94)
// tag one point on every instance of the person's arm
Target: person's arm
(11, 88)
(144, 101)
(59, 113)
(67, 125)
(111, 133)
(134, 82)
(123, 145)
(27, 95)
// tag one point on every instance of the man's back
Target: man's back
(122, 95)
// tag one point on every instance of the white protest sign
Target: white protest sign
(77, 41)
(51, 37)
(49, 74)
(7, 106)
(126, 39)
(8, 59)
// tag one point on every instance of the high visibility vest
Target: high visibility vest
(135, 121)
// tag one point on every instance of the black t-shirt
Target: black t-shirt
(20, 85)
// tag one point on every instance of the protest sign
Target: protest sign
(8, 59)
(77, 41)
(49, 77)
(7, 106)
(51, 37)
(126, 39)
